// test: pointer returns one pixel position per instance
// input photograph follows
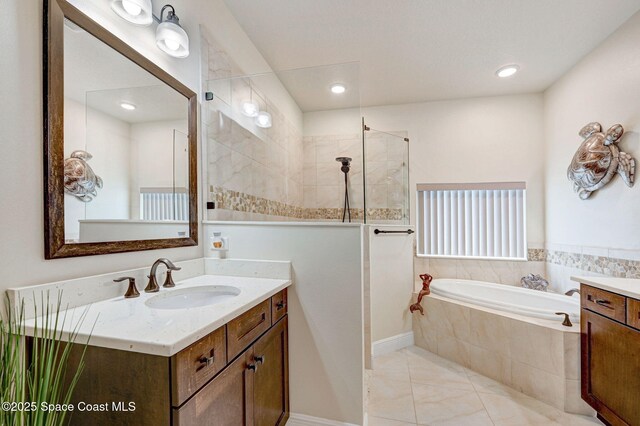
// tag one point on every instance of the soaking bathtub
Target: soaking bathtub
(507, 333)
(517, 300)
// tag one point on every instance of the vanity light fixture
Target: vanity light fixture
(507, 71)
(338, 88)
(250, 107)
(263, 120)
(127, 106)
(137, 12)
(171, 38)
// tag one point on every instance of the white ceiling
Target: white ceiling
(421, 50)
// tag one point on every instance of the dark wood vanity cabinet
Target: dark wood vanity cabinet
(610, 353)
(236, 375)
(253, 390)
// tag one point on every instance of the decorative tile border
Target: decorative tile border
(241, 202)
(536, 255)
(611, 266)
(605, 265)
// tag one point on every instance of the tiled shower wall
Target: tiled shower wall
(250, 175)
(323, 191)
(386, 177)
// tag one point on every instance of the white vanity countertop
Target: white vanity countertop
(130, 325)
(626, 286)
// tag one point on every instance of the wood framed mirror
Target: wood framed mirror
(120, 144)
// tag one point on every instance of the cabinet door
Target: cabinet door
(222, 402)
(271, 379)
(610, 368)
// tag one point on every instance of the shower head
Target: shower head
(346, 161)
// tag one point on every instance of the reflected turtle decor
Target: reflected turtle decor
(79, 178)
(598, 159)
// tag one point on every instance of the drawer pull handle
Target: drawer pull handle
(263, 318)
(252, 367)
(604, 303)
(207, 360)
(259, 359)
(280, 305)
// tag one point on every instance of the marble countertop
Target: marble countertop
(131, 325)
(625, 286)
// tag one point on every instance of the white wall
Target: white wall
(391, 282)
(469, 140)
(326, 330)
(603, 87)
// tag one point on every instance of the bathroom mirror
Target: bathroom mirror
(119, 143)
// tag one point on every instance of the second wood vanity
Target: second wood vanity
(610, 350)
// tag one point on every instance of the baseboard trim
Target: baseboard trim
(392, 344)
(303, 420)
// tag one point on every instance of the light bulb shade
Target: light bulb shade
(263, 119)
(250, 108)
(172, 39)
(137, 12)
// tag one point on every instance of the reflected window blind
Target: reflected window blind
(484, 220)
(164, 204)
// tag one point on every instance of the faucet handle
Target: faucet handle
(132, 291)
(567, 321)
(168, 282)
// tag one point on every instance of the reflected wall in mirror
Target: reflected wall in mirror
(121, 166)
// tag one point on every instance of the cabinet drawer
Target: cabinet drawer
(278, 306)
(194, 366)
(605, 303)
(633, 313)
(242, 331)
(223, 401)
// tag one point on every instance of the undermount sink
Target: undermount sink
(193, 297)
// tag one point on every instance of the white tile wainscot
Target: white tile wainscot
(536, 357)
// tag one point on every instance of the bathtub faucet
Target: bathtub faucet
(572, 291)
(426, 282)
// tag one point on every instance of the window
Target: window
(478, 220)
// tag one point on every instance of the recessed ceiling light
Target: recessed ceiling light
(127, 106)
(507, 71)
(338, 88)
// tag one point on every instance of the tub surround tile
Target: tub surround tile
(538, 347)
(490, 364)
(490, 332)
(520, 353)
(571, 356)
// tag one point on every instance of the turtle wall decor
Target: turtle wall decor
(598, 159)
(79, 178)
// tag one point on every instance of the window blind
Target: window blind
(484, 220)
(164, 204)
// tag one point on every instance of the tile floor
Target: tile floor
(416, 387)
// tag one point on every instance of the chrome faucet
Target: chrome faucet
(572, 291)
(153, 287)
